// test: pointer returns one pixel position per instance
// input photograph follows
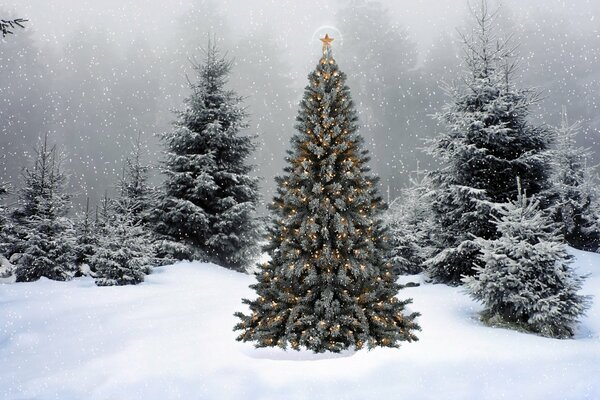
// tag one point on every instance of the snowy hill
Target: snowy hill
(171, 338)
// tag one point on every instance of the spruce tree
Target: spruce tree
(3, 220)
(3, 193)
(123, 253)
(524, 277)
(86, 238)
(207, 208)
(574, 195)
(42, 243)
(327, 286)
(409, 222)
(487, 143)
(133, 184)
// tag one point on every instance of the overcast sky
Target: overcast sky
(559, 49)
(296, 22)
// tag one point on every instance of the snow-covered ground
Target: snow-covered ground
(171, 338)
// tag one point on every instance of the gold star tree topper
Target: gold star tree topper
(326, 42)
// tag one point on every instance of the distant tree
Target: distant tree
(574, 192)
(488, 141)
(122, 249)
(381, 63)
(263, 74)
(3, 218)
(524, 277)
(133, 184)
(27, 100)
(6, 26)
(42, 242)
(86, 238)
(409, 221)
(123, 253)
(209, 200)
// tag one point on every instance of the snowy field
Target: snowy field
(171, 338)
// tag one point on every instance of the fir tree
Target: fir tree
(42, 237)
(327, 286)
(488, 142)
(524, 277)
(8, 25)
(3, 219)
(123, 253)
(3, 193)
(574, 194)
(133, 184)
(409, 221)
(207, 209)
(86, 237)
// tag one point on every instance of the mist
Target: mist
(92, 75)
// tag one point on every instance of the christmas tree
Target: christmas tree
(487, 143)
(207, 208)
(525, 278)
(327, 286)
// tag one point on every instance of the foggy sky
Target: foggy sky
(295, 22)
(558, 55)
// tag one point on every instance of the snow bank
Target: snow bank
(171, 338)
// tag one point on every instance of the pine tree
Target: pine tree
(7, 25)
(207, 209)
(488, 142)
(86, 241)
(327, 286)
(123, 253)
(574, 194)
(122, 250)
(133, 184)
(524, 277)
(43, 237)
(3, 220)
(409, 221)
(3, 193)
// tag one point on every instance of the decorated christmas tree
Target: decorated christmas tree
(327, 286)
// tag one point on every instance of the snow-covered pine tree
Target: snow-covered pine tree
(209, 200)
(43, 238)
(327, 286)
(409, 222)
(133, 184)
(524, 277)
(86, 240)
(574, 194)
(123, 253)
(487, 143)
(3, 193)
(3, 219)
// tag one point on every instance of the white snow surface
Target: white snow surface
(171, 338)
